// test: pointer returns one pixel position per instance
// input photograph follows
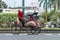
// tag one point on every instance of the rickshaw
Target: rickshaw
(30, 28)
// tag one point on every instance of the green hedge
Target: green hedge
(5, 18)
(51, 29)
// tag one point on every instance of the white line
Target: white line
(58, 34)
(7, 34)
(14, 34)
(39, 34)
(48, 34)
(23, 34)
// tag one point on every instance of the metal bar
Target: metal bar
(0, 3)
(23, 4)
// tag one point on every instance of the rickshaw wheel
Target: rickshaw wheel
(16, 29)
(35, 31)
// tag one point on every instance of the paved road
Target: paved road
(42, 36)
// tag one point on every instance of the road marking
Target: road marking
(58, 34)
(48, 34)
(39, 34)
(45, 34)
(7, 34)
(23, 34)
(27, 34)
(15, 34)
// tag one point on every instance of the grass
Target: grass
(50, 28)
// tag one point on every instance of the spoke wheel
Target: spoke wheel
(35, 31)
(15, 29)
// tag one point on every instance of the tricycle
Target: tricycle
(29, 27)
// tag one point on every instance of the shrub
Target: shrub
(7, 17)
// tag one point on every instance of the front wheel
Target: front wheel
(16, 29)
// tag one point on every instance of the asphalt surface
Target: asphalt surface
(24, 36)
(44, 35)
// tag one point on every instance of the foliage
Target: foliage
(43, 15)
(42, 20)
(58, 14)
(6, 18)
(51, 16)
(3, 4)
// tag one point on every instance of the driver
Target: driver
(20, 17)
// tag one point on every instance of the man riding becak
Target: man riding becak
(20, 18)
(31, 21)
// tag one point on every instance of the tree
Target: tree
(48, 4)
(3, 4)
(53, 3)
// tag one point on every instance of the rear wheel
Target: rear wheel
(36, 31)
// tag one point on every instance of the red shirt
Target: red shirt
(20, 14)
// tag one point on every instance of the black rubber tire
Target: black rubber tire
(39, 31)
(15, 30)
(36, 31)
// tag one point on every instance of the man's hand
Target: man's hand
(18, 21)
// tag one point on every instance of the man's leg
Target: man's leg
(22, 21)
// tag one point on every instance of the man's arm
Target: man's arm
(18, 21)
